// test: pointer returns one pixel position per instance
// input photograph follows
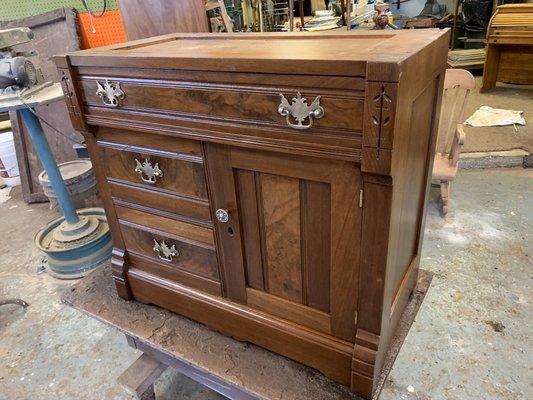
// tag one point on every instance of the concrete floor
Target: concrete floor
(471, 338)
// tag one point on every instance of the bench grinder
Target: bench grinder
(80, 240)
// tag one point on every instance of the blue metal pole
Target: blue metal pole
(47, 159)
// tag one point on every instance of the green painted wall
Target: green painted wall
(15, 9)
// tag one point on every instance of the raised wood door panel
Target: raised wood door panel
(291, 245)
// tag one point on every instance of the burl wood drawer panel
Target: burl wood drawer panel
(181, 187)
(223, 103)
(170, 249)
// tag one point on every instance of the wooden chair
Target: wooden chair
(458, 83)
(211, 5)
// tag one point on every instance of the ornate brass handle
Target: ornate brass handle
(164, 252)
(300, 111)
(151, 172)
(110, 93)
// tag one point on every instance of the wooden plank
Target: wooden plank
(228, 235)
(248, 204)
(316, 243)
(289, 310)
(332, 356)
(345, 249)
(140, 376)
(275, 53)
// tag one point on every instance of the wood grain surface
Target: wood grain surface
(319, 255)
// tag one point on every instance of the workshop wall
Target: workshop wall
(16, 9)
(102, 31)
(94, 31)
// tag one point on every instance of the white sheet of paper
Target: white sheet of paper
(488, 116)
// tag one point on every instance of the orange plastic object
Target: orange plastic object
(108, 29)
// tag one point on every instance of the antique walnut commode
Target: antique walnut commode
(271, 187)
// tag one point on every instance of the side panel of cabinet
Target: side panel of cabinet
(291, 245)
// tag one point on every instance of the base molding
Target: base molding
(329, 355)
(363, 379)
(119, 269)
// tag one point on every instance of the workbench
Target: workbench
(237, 370)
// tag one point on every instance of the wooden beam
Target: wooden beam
(138, 380)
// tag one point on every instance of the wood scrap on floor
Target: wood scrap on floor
(466, 58)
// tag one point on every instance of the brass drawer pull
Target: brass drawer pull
(151, 172)
(299, 110)
(164, 252)
(110, 93)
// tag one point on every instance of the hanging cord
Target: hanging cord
(92, 14)
(49, 124)
(104, 9)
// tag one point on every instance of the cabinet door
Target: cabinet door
(290, 246)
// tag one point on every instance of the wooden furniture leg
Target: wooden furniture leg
(490, 70)
(343, 12)
(138, 380)
(301, 10)
(445, 195)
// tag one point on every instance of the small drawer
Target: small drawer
(155, 171)
(160, 172)
(172, 244)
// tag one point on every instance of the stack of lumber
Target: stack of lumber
(466, 58)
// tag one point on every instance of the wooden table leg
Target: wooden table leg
(138, 380)
(203, 377)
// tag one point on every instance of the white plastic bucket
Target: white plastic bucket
(9, 169)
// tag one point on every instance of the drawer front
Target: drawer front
(232, 108)
(147, 266)
(180, 186)
(185, 256)
(182, 208)
(155, 171)
(172, 244)
(236, 103)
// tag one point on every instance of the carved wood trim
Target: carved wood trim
(380, 108)
(378, 127)
(72, 98)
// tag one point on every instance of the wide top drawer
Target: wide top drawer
(313, 115)
(283, 103)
